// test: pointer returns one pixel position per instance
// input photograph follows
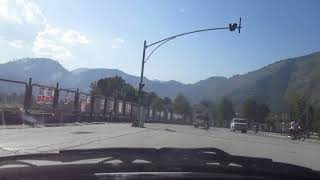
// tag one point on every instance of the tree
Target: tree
(93, 87)
(181, 105)
(212, 110)
(316, 122)
(297, 105)
(167, 101)
(168, 106)
(111, 86)
(148, 98)
(208, 107)
(310, 117)
(206, 103)
(157, 104)
(225, 112)
(262, 112)
(254, 112)
(129, 93)
(249, 110)
(114, 87)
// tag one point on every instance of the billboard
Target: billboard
(67, 98)
(83, 103)
(102, 104)
(120, 107)
(45, 95)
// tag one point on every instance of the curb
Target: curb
(286, 136)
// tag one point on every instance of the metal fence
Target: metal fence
(12, 94)
(110, 105)
(66, 101)
(39, 98)
(84, 103)
(98, 104)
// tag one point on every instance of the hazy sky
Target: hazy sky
(110, 34)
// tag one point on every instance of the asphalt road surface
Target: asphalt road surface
(75, 136)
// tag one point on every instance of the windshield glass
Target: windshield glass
(240, 121)
(202, 117)
(138, 73)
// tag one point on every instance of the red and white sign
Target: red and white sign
(102, 104)
(110, 105)
(67, 98)
(45, 95)
(83, 104)
(128, 108)
(88, 99)
(120, 106)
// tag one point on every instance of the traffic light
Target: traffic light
(141, 86)
(233, 26)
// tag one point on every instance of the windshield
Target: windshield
(202, 117)
(123, 73)
(240, 121)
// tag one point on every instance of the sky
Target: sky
(110, 34)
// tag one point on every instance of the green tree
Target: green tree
(168, 106)
(157, 104)
(94, 87)
(213, 114)
(167, 101)
(181, 105)
(111, 86)
(297, 105)
(262, 112)
(225, 112)
(114, 87)
(206, 104)
(310, 118)
(249, 110)
(148, 99)
(316, 122)
(129, 93)
(254, 112)
(208, 107)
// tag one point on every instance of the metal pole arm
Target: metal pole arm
(232, 27)
(157, 48)
(182, 34)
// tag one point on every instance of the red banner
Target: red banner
(45, 95)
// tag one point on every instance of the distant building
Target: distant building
(177, 116)
(279, 121)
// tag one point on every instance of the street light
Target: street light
(231, 27)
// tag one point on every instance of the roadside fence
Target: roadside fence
(28, 102)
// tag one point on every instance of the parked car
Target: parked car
(239, 124)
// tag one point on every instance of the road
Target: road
(51, 139)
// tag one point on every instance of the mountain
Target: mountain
(40, 69)
(49, 72)
(268, 84)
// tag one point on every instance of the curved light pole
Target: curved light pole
(231, 27)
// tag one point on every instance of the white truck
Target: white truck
(201, 120)
(239, 124)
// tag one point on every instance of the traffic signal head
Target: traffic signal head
(141, 86)
(233, 26)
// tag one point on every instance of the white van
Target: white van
(239, 124)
